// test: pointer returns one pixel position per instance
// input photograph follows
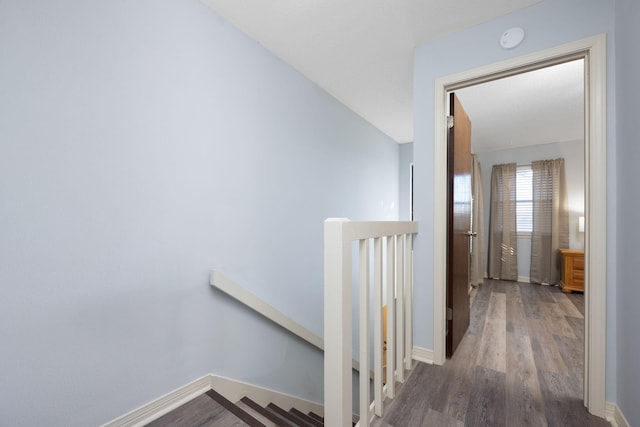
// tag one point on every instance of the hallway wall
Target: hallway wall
(143, 144)
(628, 159)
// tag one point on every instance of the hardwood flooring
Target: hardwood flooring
(202, 411)
(520, 364)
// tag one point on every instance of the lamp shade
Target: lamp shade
(581, 224)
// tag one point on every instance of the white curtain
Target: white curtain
(550, 220)
(477, 267)
(503, 253)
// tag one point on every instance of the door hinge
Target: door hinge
(449, 122)
(449, 314)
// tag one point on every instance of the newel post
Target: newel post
(337, 324)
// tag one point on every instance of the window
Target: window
(524, 200)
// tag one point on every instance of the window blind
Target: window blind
(524, 199)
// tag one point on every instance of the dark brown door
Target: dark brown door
(458, 224)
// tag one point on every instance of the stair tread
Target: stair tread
(289, 416)
(201, 410)
(316, 416)
(306, 417)
(257, 415)
(267, 413)
(234, 409)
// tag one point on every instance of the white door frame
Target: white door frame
(593, 50)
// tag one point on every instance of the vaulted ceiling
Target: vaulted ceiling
(360, 51)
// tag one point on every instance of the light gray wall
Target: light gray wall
(628, 170)
(573, 153)
(406, 157)
(547, 24)
(141, 145)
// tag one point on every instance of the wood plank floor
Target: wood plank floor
(520, 364)
(202, 411)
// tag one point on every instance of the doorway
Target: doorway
(592, 50)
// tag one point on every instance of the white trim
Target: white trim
(524, 279)
(231, 389)
(162, 405)
(596, 235)
(422, 355)
(440, 225)
(615, 416)
(593, 50)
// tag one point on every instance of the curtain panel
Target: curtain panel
(503, 253)
(550, 220)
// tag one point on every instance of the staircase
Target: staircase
(213, 406)
(383, 360)
(213, 409)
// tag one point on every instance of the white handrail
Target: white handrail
(339, 233)
(223, 283)
(233, 289)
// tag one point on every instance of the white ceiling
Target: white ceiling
(539, 107)
(360, 51)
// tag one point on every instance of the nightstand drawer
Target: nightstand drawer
(578, 263)
(572, 270)
(578, 277)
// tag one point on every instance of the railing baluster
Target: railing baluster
(377, 326)
(364, 333)
(339, 235)
(391, 317)
(400, 308)
(408, 280)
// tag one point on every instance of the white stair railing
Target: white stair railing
(339, 234)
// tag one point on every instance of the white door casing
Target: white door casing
(593, 50)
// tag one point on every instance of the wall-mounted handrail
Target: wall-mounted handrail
(223, 283)
(339, 234)
(233, 289)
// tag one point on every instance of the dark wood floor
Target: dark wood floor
(519, 364)
(203, 411)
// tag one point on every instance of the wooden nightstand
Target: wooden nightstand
(572, 270)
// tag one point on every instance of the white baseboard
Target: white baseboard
(422, 355)
(524, 279)
(162, 405)
(615, 416)
(231, 389)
